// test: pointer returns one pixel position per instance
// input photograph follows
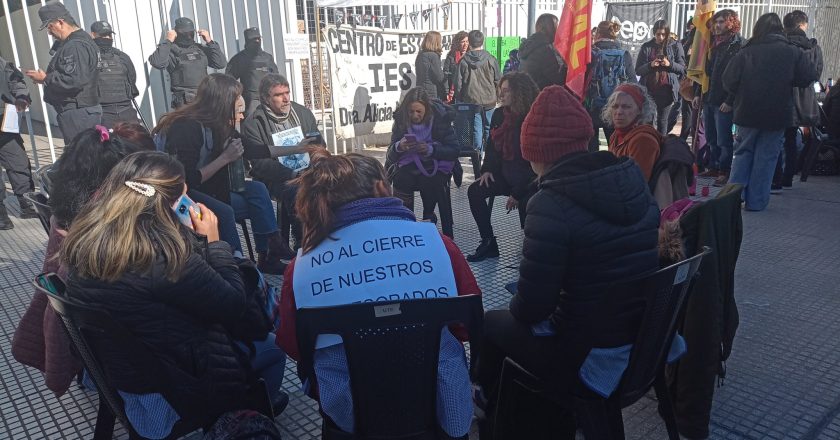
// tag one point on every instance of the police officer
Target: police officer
(72, 75)
(117, 78)
(185, 60)
(13, 156)
(250, 66)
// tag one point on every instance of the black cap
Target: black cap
(184, 24)
(252, 33)
(52, 11)
(101, 28)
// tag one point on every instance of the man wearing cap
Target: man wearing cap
(13, 92)
(185, 60)
(70, 82)
(117, 78)
(250, 66)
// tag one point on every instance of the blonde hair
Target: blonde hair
(432, 42)
(121, 230)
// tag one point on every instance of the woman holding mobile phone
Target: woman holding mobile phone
(660, 63)
(176, 290)
(423, 151)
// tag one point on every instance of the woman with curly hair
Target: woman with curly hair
(631, 112)
(457, 48)
(504, 171)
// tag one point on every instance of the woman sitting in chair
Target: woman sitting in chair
(40, 340)
(631, 111)
(423, 152)
(175, 287)
(342, 199)
(504, 171)
(592, 222)
(202, 136)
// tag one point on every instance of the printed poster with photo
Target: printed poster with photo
(290, 138)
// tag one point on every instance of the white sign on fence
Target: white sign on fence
(297, 46)
(371, 70)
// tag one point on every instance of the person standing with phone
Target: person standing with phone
(660, 63)
(70, 82)
(13, 92)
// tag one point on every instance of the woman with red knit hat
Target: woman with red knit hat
(591, 222)
(631, 111)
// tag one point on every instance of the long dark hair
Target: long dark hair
(767, 24)
(328, 183)
(417, 94)
(213, 106)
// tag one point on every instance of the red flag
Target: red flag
(573, 41)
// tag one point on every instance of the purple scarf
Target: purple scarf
(423, 132)
(390, 208)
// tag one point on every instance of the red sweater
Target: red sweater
(287, 335)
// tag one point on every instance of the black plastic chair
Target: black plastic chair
(247, 234)
(392, 354)
(93, 331)
(42, 178)
(465, 132)
(39, 201)
(600, 418)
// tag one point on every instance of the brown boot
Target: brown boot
(279, 248)
(722, 179)
(269, 266)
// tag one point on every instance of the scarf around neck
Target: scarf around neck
(372, 208)
(505, 136)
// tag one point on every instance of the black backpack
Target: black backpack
(244, 424)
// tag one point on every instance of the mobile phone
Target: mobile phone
(182, 210)
(660, 57)
(410, 137)
(316, 136)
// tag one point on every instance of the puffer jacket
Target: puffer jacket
(539, 59)
(445, 143)
(592, 222)
(806, 108)
(761, 77)
(430, 74)
(477, 78)
(183, 324)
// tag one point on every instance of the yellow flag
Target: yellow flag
(701, 45)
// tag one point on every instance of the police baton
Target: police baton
(140, 114)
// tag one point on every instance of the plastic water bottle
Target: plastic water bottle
(236, 170)
(829, 84)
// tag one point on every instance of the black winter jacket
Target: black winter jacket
(517, 172)
(761, 77)
(540, 59)
(806, 108)
(445, 143)
(676, 56)
(182, 323)
(715, 66)
(73, 73)
(592, 222)
(430, 74)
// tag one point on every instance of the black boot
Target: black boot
(26, 208)
(487, 249)
(5, 221)
(275, 260)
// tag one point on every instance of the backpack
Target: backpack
(673, 171)
(608, 72)
(243, 424)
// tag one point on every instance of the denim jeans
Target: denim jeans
(718, 126)
(482, 128)
(756, 153)
(269, 362)
(253, 204)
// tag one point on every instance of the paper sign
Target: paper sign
(376, 260)
(11, 120)
(289, 138)
(296, 46)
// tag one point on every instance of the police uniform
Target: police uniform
(250, 66)
(72, 76)
(186, 61)
(12, 153)
(117, 79)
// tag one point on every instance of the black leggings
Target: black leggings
(478, 194)
(432, 189)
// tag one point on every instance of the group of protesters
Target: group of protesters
(144, 222)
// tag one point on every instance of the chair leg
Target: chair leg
(247, 234)
(447, 221)
(105, 419)
(666, 407)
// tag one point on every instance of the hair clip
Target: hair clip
(142, 188)
(103, 133)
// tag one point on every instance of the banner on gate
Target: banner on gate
(636, 20)
(371, 69)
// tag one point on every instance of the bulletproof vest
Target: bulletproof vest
(113, 79)
(258, 67)
(190, 68)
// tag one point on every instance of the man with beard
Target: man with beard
(250, 66)
(117, 78)
(185, 60)
(71, 76)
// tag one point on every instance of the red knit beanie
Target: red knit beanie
(556, 126)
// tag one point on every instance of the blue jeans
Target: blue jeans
(482, 128)
(756, 153)
(253, 204)
(269, 362)
(718, 126)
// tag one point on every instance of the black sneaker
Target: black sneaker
(5, 221)
(487, 249)
(26, 208)
(775, 189)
